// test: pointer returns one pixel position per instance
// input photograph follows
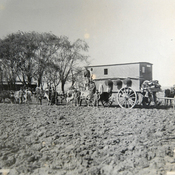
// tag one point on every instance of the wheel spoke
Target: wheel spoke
(130, 95)
(128, 104)
(130, 101)
(122, 101)
(124, 104)
(125, 91)
(107, 103)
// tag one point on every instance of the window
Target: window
(143, 69)
(105, 71)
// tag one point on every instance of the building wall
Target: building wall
(138, 72)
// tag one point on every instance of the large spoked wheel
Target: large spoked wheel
(127, 98)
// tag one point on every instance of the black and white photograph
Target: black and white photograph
(87, 87)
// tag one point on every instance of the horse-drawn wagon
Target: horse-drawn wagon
(128, 84)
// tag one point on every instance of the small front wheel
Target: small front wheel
(106, 99)
(106, 103)
(127, 98)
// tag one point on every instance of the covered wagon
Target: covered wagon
(125, 80)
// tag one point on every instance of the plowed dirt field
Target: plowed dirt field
(69, 140)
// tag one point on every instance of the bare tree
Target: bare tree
(69, 57)
(9, 57)
(48, 44)
(51, 75)
(26, 55)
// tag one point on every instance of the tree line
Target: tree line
(29, 56)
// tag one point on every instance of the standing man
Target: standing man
(92, 90)
(21, 95)
(87, 75)
(96, 98)
(50, 94)
(53, 96)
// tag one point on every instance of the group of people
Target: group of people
(96, 95)
(24, 95)
(50, 94)
(149, 90)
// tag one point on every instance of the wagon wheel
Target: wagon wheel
(107, 102)
(127, 98)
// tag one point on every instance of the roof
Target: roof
(119, 64)
(16, 83)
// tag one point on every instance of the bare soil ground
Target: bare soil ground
(64, 139)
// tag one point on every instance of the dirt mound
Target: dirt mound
(41, 139)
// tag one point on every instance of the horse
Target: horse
(7, 95)
(170, 93)
(27, 96)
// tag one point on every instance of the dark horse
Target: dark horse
(170, 93)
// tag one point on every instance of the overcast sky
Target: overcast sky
(117, 31)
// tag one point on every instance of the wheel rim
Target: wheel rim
(127, 98)
(107, 103)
